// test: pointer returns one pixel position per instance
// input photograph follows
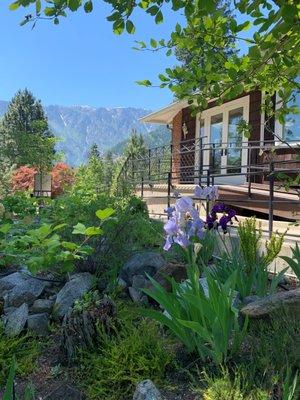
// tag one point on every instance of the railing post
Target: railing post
(169, 189)
(208, 184)
(149, 165)
(200, 161)
(271, 197)
(142, 187)
(249, 175)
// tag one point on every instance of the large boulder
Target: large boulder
(282, 301)
(15, 321)
(74, 289)
(146, 390)
(177, 271)
(142, 263)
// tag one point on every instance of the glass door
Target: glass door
(224, 151)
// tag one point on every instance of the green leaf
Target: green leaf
(159, 18)
(59, 226)
(14, 6)
(79, 229)
(93, 231)
(153, 43)
(114, 16)
(38, 6)
(153, 10)
(74, 4)
(169, 52)
(130, 28)
(5, 228)
(145, 82)
(88, 6)
(104, 214)
(9, 388)
(49, 11)
(56, 21)
(118, 26)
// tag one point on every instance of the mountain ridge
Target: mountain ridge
(79, 127)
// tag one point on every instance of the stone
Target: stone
(38, 323)
(146, 390)
(176, 271)
(250, 299)
(142, 263)
(42, 306)
(282, 301)
(74, 289)
(64, 392)
(16, 320)
(139, 281)
(27, 292)
(121, 283)
(10, 281)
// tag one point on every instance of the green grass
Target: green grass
(25, 349)
(138, 350)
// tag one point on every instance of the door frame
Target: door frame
(242, 102)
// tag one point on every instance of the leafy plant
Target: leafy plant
(250, 263)
(205, 323)
(290, 385)
(294, 262)
(44, 248)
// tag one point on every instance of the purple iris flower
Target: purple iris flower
(183, 224)
(169, 211)
(207, 193)
(224, 220)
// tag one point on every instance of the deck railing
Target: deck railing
(197, 162)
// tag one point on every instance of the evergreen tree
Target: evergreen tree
(109, 168)
(25, 133)
(136, 147)
(94, 151)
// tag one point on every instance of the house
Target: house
(210, 141)
(208, 148)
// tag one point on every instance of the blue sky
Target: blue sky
(81, 61)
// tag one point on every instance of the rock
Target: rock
(16, 320)
(282, 301)
(26, 292)
(141, 264)
(10, 281)
(176, 271)
(74, 289)
(250, 299)
(137, 296)
(121, 283)
(38, 323)
(42, 306)
(146, 390)
(139, 281)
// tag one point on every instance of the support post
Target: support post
(169, 189)
(149, 165)
(271, 197)
(142, 187)
(208, 184)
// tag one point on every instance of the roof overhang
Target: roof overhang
(165, 115)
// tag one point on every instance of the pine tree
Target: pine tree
(136, 147)
(26, 137)
(109, 168)
(94, 151)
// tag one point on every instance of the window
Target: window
(291, 128)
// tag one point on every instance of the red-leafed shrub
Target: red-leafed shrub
(23, 178)
(62, 178)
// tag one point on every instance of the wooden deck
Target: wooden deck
(286, 204)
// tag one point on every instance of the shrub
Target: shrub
(23, 178)
(25, 349)
(227, 387)
(294, 262)
(249, 262)
(137, 351)
(20, 204)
